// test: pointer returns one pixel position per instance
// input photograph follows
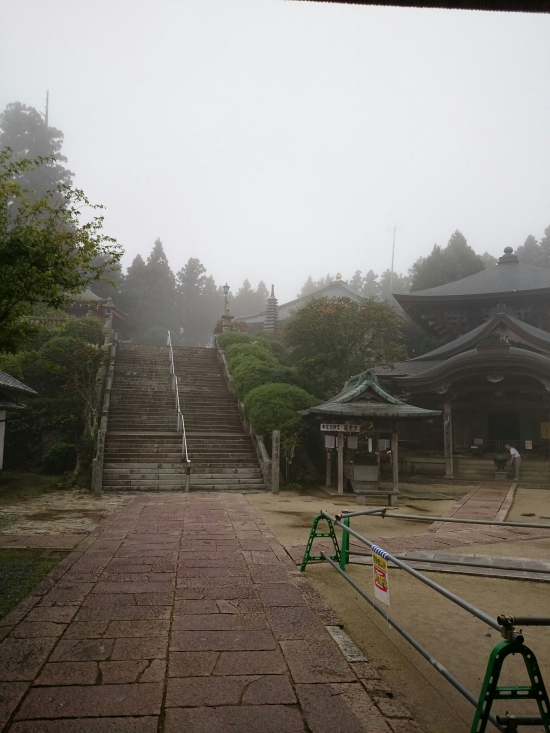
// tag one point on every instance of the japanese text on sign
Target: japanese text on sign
(340, 428)
(380, 572)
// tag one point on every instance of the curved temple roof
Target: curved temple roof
(362, 396)
(508, 276)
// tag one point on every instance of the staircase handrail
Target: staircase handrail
(181, 421)
(257, 440)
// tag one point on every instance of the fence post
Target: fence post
(275, 460)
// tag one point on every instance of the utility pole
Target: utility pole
(45, 116)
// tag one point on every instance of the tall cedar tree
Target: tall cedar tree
(334, 338)
(536, 253)
(24, 131)
(199, 302)
(248, 301)
(159, 291)
(443, 266)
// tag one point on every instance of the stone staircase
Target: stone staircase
(221, 453)
(143, 448)
(532, 471)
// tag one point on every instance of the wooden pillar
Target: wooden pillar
(329, 468)
(448, 439)
(395, 457)
(340, 444)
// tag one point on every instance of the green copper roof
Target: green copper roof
(362, 396)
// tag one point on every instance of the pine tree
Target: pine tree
(356, 282)
(160, 290)
(25, 131)
(443, 266)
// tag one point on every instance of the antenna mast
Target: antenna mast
(392, 258)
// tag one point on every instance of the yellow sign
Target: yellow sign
(545, 430)
(380, 571)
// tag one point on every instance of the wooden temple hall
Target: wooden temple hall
(490, 379)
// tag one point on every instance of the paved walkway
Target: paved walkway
(488, 500)
(183, 614)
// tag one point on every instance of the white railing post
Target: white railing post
(180, 420)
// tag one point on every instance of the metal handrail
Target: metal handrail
(181, 421)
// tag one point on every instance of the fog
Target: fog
(275, 139)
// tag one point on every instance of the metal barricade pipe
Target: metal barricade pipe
(457, 684)
(465, 563)
(452, 520)
(481, 615)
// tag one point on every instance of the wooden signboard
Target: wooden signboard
(340, 428)
(545, 430)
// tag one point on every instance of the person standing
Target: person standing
(515, 459)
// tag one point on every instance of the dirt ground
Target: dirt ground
(460, 642)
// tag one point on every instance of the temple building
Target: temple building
(491, 380)
(278, 313)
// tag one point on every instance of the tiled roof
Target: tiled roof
(406, 368)
(362, 396)
(509, 6)
(506, 277)
(335, 289)
(10, 383)
(474, 333)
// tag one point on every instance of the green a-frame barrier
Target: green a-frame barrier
(491, 691)
(313, 535)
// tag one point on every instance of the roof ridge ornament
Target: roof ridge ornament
(508, 258)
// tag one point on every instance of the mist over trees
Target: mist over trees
(25, 131)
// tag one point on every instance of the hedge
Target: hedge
(274, 407)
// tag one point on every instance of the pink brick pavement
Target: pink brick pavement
(183, 614)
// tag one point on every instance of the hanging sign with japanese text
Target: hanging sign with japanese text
(380, 571)
(340, 428)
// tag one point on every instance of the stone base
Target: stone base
(501, 475)
(391, 497)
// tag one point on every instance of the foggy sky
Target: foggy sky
(276, 139)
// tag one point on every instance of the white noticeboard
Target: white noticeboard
(339, 428)
(330, 441)
(381, 577)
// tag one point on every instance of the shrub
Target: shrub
(60, 458)
(237, 352)
(274, 407)
(251, 373)
(86, 329)
(228, 338)
(277, 348)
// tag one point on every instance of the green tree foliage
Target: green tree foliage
(274, 407)
(159, 289)
(536, 253)
(24, 131)
(63, 370)
(46, 252)
(248, 301)
(199, 303)
(455, 261)
(333, 338)
(311, 286)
